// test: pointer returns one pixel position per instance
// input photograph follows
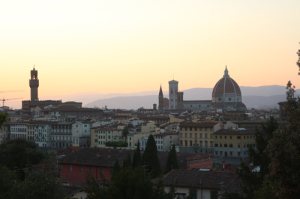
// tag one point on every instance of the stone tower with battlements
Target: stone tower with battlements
(34, 84)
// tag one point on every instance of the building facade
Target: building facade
(42, 134)
(233, 142)
(196, 137)
(61, 135)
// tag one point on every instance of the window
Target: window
(185, 142)
(225, 137)
(211, 136)
(206, 144)
(239, 153)
(180, 135)
(230, 137)
(220, 144)
(205, 129)
(71, 168)
(216, 144)
(91, 169)
(205, 135)
(80, 169)
(191, 143)
(211, 143)
(180, 142)
(225, 145)
(200, 135)
(230, 153)
(216, 152)
(221, 152)
(191, 128)
(186, 128)
(230, 145)
(195, 128)
(211, 129)
(185, 135)
(200, 128)
(216, 137)
(201, 143)
(238, 137)
(239, 146)
(191, 135)
(195, 135)
(220, 136)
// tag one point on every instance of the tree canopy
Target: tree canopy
(137, 156)
(172, 162)
(150, 158)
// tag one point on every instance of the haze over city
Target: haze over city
(134, 46)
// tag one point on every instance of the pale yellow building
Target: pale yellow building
(233, 142)
(196, 135)
(100, 136)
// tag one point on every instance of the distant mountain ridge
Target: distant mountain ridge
(91, 99)
(253, 97)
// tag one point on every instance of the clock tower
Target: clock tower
(160, 100)
(34, 84)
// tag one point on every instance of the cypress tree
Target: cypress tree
(137, 156)
(127, 161)
(172, 162)
(116, 169)
(150, 158)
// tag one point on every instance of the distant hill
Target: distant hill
(148, 98)
(253, 97)
(135, 102)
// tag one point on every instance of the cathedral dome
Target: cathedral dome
(226, 90)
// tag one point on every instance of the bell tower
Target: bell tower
(160, 100)
(34, 84)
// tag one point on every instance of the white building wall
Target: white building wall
(18, 131)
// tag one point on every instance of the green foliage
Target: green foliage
(172, 162)
(150, 158)
(266, 191)
(115, 170)
(43, 184)
(7, 182)
(284, 151)
(3, 118)
(94, 190)
(252, 181)
(128, 183)
(117, 144)
(20, 153)
(127, 161)
(137, 156)
(131, 183)
(125, 131)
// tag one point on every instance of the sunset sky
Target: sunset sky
(119, 46)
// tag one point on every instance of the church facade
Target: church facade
(226, 95)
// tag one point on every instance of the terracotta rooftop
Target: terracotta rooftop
(200, 179)
(235, 132)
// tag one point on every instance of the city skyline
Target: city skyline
(118, 47)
